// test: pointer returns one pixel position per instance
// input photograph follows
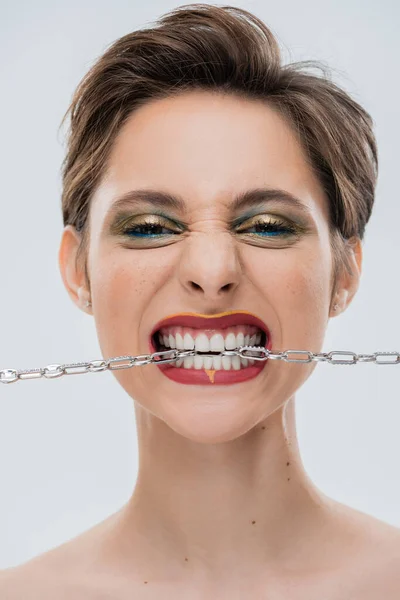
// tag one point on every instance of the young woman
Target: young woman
(213, 197)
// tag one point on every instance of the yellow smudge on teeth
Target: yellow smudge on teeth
(210, 373)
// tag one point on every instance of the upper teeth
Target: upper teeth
(184, 338)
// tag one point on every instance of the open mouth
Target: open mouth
(209, 336)
(208, 345)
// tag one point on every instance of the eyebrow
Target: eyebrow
(247, 199)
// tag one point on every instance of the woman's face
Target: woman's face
(207, 149)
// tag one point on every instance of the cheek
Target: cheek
(124, 283)
(304, 286)
(122, 287)
(298, 287)
(298, 290)
(306, 309)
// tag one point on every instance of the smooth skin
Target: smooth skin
(222, 506)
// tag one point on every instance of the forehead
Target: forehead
(208, 147)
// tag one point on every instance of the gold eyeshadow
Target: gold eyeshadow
(156, 227)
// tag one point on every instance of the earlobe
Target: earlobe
(71, 274)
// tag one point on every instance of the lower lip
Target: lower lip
(213, 377)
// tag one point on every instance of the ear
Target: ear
(72, 274)
(348, 283)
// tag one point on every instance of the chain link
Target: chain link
(336, 357)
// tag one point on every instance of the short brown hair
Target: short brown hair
(229, 50)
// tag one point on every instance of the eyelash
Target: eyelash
(277, 227)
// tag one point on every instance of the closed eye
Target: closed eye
(271, 228)
(147, 229)
(151, 228)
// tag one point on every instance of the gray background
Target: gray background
(68, 449)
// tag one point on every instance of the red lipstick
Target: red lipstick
(219, 321)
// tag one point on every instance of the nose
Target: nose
(210, 266)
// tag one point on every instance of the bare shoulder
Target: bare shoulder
(55, 574)
(375, 570)
(49, 576)
(20, 583)
(381, 578)
(61, 573)
(369, 568)
(390, 564)
(34, 581)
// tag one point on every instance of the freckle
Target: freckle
(145, 581)
(287, 464)
(263, 427)
(186, 559)
(253, 522)
(288, 478)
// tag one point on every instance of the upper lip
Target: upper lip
(218, 321)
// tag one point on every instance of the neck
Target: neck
(220, 510)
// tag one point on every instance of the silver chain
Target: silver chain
(335, 357)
